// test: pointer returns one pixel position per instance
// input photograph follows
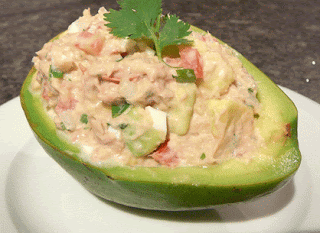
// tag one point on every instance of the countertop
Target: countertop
(281, 37)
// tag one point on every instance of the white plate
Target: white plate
(36, 195)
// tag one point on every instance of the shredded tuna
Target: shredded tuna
(88, 74)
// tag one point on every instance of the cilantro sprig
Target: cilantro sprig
(84, 118)
(185, 76)
(203, 156)
(55, 73)
(144, 19)
(117, 110)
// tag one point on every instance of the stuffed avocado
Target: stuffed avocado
(195, 127)
(122, 105)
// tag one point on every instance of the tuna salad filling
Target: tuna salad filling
(123, 106)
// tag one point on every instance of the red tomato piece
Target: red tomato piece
(68, 104)
(191, 59)
(90, 43)
(165, 156)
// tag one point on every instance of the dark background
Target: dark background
(281, 37)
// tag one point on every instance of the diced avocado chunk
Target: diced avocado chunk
(228, 113)
(273, 130)
(181, 107)
(146, 143)
(232, 122)
(141, 135)
(220, 74)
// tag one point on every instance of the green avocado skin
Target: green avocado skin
(157, 195)
(188, 188)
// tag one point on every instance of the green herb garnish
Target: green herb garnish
(185, 76)
(55, 73)
(203, 156)
(250, 90)
(63, 127)
(123, 126)
(120, 59)
(117, 110)
(84, 118)
(143, 19)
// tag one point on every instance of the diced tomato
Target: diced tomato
(86, 34)
(124, 54)
(111, 78)
(208, 39)
(165, 156)
(45, 92)
(90, 43)
(48, 92)
(191, 59)
(82, 68)
(68, 104)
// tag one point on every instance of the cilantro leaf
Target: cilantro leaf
(185, 76)
(123, 125)
(55, 73)
(117, 110)
(84, 118)
(63, 127)
(173, 32)
(146, 10)
(143, 19)
(138, 19)
(135, 19)
(119, 23)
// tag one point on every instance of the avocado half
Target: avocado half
(184, 188)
